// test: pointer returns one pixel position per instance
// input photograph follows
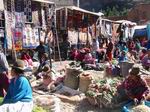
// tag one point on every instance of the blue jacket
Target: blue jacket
(19, 90)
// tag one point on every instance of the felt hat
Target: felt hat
(135, 70)
(19, 64)
(46, 68)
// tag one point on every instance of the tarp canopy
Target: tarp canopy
(140, 27)
(44, 1)
(81, 10)
(140, 31)
(126, 22)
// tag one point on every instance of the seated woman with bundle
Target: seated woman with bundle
(27, 59)
(49, 79)
(19, 95)
(44, 61)
(136, 88)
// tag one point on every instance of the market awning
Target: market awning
(44, 1)
(140, 31)
(1, 5)
(140, 27)
(126, 22)
(81, 10)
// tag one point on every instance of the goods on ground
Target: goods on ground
(72, 78)
(85, 81)
(104, 91)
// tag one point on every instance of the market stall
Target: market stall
(78, 24)
(27, 22)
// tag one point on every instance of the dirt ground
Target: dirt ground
(84, 105)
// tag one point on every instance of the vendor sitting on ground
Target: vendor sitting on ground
(88, 59)
(81, 55)
(48, 79)
(27, 59)
(146, 60)
(44, 61)
(19, 95)
(123, 56)
(136, 87)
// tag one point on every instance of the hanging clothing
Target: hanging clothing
(73, 37)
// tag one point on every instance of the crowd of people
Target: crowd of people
(17, 91)
(106, 50)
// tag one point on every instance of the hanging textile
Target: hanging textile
(84, 37)
(43, 19)
(28, 10)
(73, 36)
(31, 37)
(9, 28)
(35, 18)
(17, 36)
(115, 34)
(108, 29)
(18, 31)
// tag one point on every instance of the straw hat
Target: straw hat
(19, 64)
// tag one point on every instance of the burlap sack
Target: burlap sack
(85, 81)
(72, 78)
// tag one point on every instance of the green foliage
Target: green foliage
(38, 109)
(115, 11)
(1, 100)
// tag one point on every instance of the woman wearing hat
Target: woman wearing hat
(135, 87)
(19, 95)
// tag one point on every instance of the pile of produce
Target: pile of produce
(103, 92)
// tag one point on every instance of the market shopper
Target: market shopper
(109, 50)
(44, 62)
(4, 69)
(41, 49)
(19, 95)
(27, 59)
